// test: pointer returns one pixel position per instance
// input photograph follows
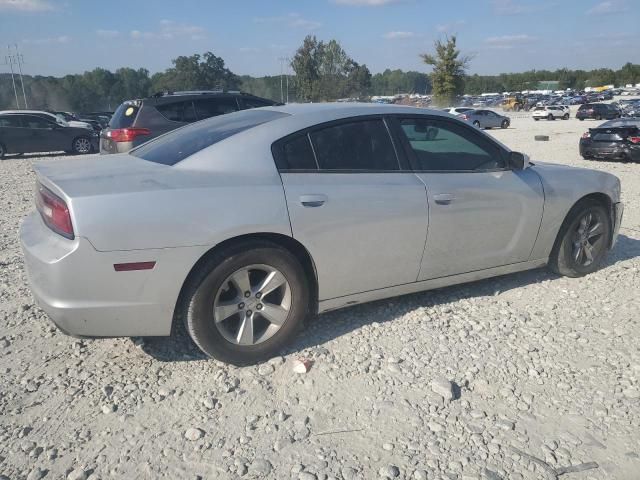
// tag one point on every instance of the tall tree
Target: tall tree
(306, 65)
(448, 73)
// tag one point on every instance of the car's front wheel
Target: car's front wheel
(550, 117)
(476, 124)
(3, 151)
(565, 116)
(583, 240)
(81, 146)
(246, 303)
(505, 124)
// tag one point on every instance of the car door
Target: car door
(359, 212)
(493, 120)
(12, 134)
(44, 136)
(482, 214)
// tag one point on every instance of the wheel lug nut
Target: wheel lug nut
(258, 295)
(247, 294)
(241, 306)
(249, 312)
(259, 306)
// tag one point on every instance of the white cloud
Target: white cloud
(607, 8)
(365, 3)
(399, 35)
(292, 20)
(26, 5)
(170, 30)
(48, 40)
(509, 41)
(509, 7)
(448, 27)
(108, 33)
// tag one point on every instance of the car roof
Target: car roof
(27, 112)
(621, 122)
(336, 111)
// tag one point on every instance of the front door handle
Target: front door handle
(444, 198)
(315, 200)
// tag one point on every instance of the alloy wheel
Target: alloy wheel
(588, 239)
(252, 304)
(82, 145)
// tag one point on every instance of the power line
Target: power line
(282, 74)
(12, 59)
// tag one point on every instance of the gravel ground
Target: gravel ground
(510, 378)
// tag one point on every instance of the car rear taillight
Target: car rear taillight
(127, 134)
(54, 212)
(634, 139)
(586, 135)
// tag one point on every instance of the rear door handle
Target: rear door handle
(444, 198)
(315, 200)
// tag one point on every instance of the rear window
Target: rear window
(178, 111)
(124, 116)
(175, 146)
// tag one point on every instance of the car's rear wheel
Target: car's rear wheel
(536, 119)
(565, 116)
(583, 240)
(476, 124)
(81, 145)
(246, 303)
(505, 124)
(550, 117)
(3, 151)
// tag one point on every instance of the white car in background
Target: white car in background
(457, 110)
(551, 112)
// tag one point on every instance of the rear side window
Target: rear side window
(10, 121)
(175, 146)
(361, 145)
(255, 103)
(178, 111)
(124, 115)
(36, 122)
(212, 107)
(295, 153)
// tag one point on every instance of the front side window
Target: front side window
(358, 145)
(445, 146)
(37, 123)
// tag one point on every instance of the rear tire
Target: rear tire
(81, 146)
(3, 151)
(565, 116)
(212, 289)
(536, 119)
(550, 117)
(583, 240)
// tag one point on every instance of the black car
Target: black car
(137, 121)
(29, 133)
(613, 140)
(597, 111)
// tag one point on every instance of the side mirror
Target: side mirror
(518, 161)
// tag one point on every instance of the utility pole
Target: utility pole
(282, 73)
(9, 61)
(20, 61)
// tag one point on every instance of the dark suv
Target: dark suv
(597, 111)
(137, 121)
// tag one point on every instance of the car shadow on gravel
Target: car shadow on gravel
(331, 325)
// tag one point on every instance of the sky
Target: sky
(58, 37)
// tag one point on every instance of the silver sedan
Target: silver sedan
(485, 119)
(243, 226)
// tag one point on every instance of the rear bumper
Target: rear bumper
(79, 289)
(108, 146)
(609, 152)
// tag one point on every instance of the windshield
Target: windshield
(179, 144)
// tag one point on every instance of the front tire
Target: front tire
(3, 151)
(476, 124)
(583, 240)
(81, 146)
(550, 117)
(566, 116)
(504, 124)
(246, 303)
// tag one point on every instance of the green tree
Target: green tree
(196, 72)
(306, 65)
(449, 69)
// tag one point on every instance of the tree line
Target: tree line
(323, 71)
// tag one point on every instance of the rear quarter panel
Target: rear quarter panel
(563, 188)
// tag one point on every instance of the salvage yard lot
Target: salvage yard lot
(547, 367)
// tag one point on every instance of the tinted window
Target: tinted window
(295, 154)
(124, 116)
(445, 146)
(256, 103)
(36, 122)
(362, 145)
(212, 107)
(10, 121)
(178, 111)
(179, 144)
